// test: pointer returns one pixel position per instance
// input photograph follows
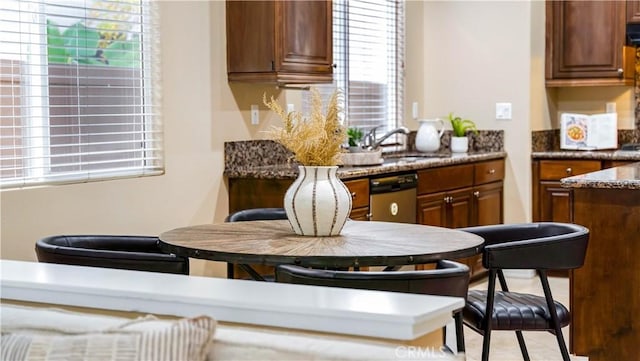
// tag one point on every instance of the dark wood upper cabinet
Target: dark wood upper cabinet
(281, 42)
(585, 44)
(633, 12)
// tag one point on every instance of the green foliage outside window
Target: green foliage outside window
(79, 44)
(105, 39)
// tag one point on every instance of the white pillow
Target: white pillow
(184, 339)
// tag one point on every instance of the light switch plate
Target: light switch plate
(503, 111)
(610, 107)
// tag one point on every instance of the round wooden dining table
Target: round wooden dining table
(361, 243)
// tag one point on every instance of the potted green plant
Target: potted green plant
(355, 137)
(459, 140)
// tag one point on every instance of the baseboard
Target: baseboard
(519, 273)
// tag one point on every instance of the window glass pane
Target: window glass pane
(78, 79)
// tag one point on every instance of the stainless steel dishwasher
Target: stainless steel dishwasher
(393, 198)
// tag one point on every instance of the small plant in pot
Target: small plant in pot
(355, 137)
(459, 140)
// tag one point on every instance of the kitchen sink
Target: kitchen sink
(413, 157)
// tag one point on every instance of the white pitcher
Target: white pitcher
(428, 137)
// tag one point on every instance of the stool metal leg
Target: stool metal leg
(488, 318)
(554, 314)
(523, 346)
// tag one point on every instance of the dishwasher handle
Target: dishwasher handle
(393, 183)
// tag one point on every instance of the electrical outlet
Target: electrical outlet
(255, 114)
(414, 110)
(290, 108)
(503, 111)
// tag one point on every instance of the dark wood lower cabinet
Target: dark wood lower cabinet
(488, 203)
(555, 202)
(245, 193)
(469, 197)
(446, 209)
(551, 202)
(605, 292)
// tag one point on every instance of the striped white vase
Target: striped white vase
(317, 203)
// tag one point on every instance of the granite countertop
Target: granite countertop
(588, 154)
(623, 177)
(393, 163)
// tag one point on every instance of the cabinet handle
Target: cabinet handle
(569, 170)
(333, 66)
(620, 72)
(492, 171)
(368, 216)
(446, 199)
(353, 195)
(476, 194)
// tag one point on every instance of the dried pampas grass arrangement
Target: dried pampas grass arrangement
(315, 140)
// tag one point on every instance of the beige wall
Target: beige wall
(469, 56)
(461, 57)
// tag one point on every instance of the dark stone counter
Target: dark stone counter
(266, 159)
(397, 163)
(592, 154)
(623, 177)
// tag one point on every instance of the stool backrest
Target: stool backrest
(140, 253)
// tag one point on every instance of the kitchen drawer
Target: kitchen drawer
(359, 189)
(444, 178)
(487, 172)
(558, 169)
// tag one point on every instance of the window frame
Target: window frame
(145, 154)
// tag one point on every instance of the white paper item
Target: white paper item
(588, 132)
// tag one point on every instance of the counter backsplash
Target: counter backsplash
(549, 140)
(256, 153)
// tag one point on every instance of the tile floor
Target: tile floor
(542, 346)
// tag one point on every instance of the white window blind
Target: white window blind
(368, 50)
(79, 91)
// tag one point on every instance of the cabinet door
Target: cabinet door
(487, 209)
(446, 209)
(459, 208)
(245, 193)
(359, 214)
(432, 210)
(305, 37)
(488, 204)
(555, 202)
(633, 11)
(585, 39)
(279, 42)
(359, 189)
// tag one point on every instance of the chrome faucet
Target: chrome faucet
(372, 143)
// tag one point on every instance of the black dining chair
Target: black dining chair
(447, 279)
(538, 246)
(139, 253)
(254, 214)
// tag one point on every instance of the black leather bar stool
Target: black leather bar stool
(538, 246)
(140, 253)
